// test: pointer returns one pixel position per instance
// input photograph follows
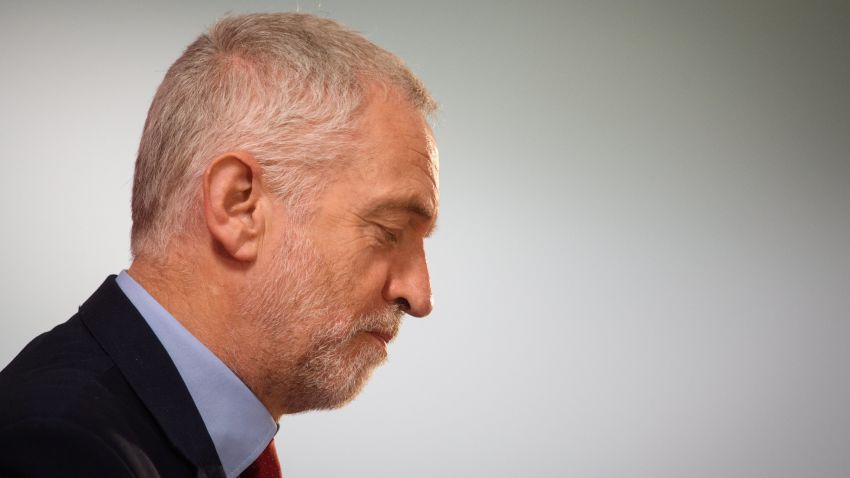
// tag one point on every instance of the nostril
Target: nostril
(403, 304)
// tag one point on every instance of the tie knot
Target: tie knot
(265, 466)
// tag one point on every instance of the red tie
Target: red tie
(265, 466)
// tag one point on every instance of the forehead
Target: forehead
(397, 154)
(390, 122)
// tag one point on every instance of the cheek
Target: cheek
(357, 277)
(370, 278)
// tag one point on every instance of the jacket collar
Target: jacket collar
(132, 345)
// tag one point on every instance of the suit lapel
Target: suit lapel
(132, 345)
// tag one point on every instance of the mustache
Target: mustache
(386, 322)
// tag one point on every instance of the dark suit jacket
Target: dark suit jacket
(98, 396)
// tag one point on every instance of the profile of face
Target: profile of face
(334, 291)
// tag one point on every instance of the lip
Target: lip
(384, 337)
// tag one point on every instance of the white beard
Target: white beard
(311, 347)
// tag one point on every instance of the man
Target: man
(285, 183)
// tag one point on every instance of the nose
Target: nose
(409, 285)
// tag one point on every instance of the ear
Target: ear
(232, 204)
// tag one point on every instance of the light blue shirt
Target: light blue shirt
(238, 423)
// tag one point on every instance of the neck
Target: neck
(202, 299)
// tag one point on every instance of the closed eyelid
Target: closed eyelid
(391, 235)
(383, 234)
(400, 214)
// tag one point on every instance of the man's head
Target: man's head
(288, 162)
(350, 272)
(285, 87)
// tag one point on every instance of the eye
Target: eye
(389, 236)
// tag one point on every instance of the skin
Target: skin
(301, 310)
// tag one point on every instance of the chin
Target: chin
(332, 380)
(346, 394)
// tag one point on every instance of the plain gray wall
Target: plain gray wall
(642, 267)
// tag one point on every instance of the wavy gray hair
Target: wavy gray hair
(284, 87)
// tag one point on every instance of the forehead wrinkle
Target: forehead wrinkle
(429, 166)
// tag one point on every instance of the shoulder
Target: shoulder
(101, 379)
(61, 371)
(51, 446)
(68, 411)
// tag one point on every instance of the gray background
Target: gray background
(642, 267)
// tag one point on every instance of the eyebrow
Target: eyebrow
(411, 205)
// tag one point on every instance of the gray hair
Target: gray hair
(284, 87)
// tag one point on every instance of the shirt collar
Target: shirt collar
(238, 423)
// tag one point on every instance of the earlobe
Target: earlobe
(233, 204)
